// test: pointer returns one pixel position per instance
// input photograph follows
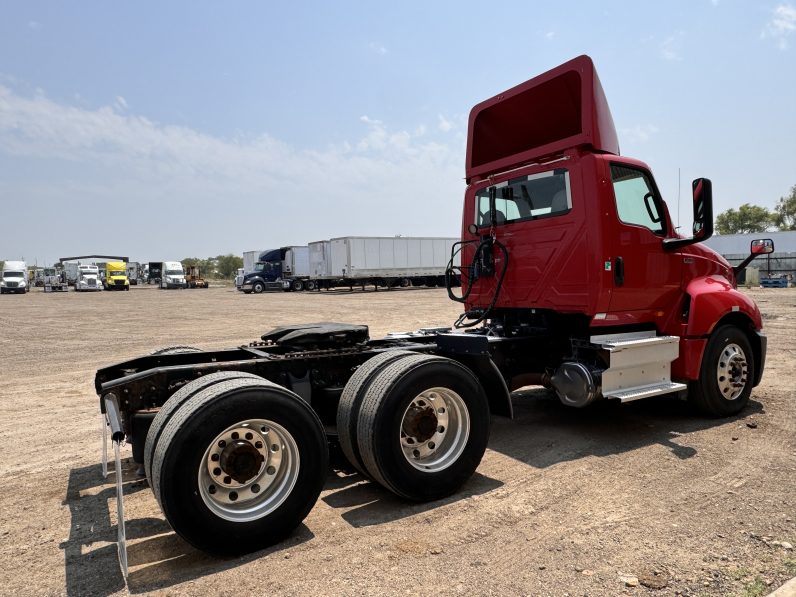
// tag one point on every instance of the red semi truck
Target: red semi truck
(572, 277)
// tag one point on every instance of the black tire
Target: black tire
(174, 402)
(351, 400)
(728, 352)
(187, 443)
(174, 350)
(311, 285)
(416, 380)
(297, 285)
(258, 287)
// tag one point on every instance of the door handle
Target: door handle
(619, 271)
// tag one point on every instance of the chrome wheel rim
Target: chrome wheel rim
(434, 429)
(732, 372)
(248, 470)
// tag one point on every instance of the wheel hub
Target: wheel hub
(420, 423)
(732, 372)
(248, 470)
(434, 429)
(241, 460)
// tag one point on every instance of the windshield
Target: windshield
(117, 272)
(12, 274)
(174, 272)
(526, 198)
(264, 266)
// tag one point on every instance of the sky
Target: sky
(161, 131)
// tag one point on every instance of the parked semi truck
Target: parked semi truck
(116, 276)
(134, 272)
(172, 275)
(379, 261)
(572, 277)
(15, 278)
(88, 278)
(276, 269)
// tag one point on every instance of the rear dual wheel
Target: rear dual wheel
(422, 424)
(238, 464)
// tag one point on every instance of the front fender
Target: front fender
(714, 302)
(714, 299)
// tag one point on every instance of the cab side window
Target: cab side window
(636, 202)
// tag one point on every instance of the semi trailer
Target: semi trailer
(379, 261)
(572, 277)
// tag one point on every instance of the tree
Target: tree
(748, 218)
(785, 211)
(227, 265)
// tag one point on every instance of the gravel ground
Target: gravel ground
(643, 498)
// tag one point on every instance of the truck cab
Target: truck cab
(172, 275)
(88, 278)
(15, 278)
(116, 276)
(560, 230)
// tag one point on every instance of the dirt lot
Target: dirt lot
(565, 501)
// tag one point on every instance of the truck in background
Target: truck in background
(284, 268)
(116, 276)
(55, 279)
(154, 272)
(15, 278)
(88, 278)
(172, 275)
(193, 277)
(134, 272)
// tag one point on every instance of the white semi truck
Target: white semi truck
(88, 278)
(172, 275)
(15, 278)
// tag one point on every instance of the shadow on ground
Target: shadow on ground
(157, 557)
(543, 433)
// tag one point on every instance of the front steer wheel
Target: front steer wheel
(423, 426)
(727, 374)
(239, 465)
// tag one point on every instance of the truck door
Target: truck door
(646, 279)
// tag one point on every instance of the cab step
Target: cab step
(646, 391)
(639, 365)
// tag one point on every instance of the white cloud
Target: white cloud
(781, 25)
(639, 133)
(714, 2)
(444, 124)
(672, 47)
(121, 102)
(378, 48)
(550, 35)
(375, 184)
(35, 25)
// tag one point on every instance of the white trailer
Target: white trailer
(250, 259)
(320, 259)
(380, 261)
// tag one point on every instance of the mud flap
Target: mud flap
(111, 419)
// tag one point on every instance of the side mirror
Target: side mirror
(762, 246)
(703, 216)
(703, 208)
